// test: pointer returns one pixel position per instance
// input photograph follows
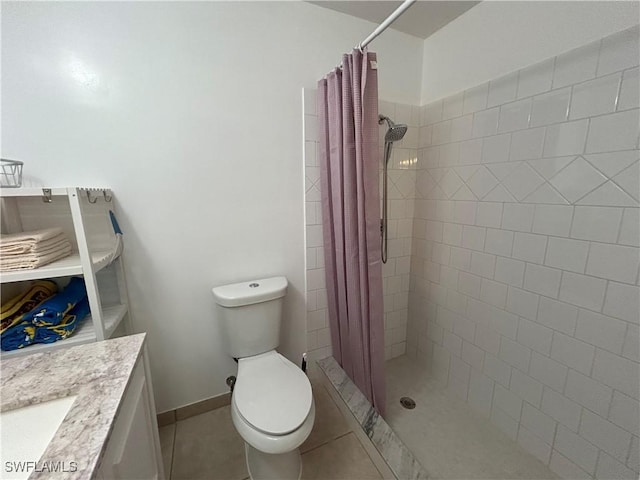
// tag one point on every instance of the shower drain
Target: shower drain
(408, 403)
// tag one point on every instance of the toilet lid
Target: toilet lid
(271, 393)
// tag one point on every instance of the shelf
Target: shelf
(30, 191)
(84, 334)
(112, 317)
(64, 267)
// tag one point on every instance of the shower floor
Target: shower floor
(446, 436)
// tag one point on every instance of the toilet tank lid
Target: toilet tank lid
(250, 292)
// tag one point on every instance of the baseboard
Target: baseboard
(172, 416)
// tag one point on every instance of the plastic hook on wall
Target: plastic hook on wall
(107, 197)
(89, 198)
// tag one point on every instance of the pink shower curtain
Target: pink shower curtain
(348, 123)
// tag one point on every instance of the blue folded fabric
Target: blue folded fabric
(54, 319)
(52, 311)
(27, 333)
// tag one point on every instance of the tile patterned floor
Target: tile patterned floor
(208, 447)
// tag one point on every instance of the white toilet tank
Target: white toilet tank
(251, 314)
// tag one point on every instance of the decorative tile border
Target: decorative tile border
(400, 460)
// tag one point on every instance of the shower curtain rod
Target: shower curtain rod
(383, 26)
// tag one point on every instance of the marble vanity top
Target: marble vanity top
(98, 374)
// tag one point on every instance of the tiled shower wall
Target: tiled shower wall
(524, 268)
(402, 182)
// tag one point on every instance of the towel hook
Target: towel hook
(89, 197)
(46, 195)
(107, 198)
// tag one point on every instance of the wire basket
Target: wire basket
(11, 173)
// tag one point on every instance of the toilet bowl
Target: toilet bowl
(273, 410)
(272, 406)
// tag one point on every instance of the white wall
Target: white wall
(495, 37)
(191, 113)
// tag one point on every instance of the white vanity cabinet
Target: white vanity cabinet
(83, 214)
(133, 449)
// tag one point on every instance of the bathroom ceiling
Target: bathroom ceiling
(421, 20)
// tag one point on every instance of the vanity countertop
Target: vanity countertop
(98, 374)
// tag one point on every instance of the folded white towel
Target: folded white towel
(31, 261)
(29, 238)
(19, 248)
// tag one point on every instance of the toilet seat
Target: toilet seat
(271, 394)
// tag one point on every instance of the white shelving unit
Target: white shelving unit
(83, 214)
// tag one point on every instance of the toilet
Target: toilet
(272, 406)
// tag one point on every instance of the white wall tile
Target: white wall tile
(552, 220)
(472, 355)
(483, 264)
(625, 412)
(524, 304)
(496, 148)
(493, 293)
(604, 332)
(514, 354)
(482, 182)
(441, 133)
(497, 369)
(623, 302)
(504, 422)
(527, 144)
(547, 371)
(588, 393)
(565, 138)
(582, 290)
(487, 340)
(526, 387)
(535, 79)
(489, 214)
(529, 247)
(629, 91)
(557, 315)
(507, 402)
(631, 347)
(503, 89)
(619, 51)
(541, 424)
(609, 467)
(476, 98)
(514, 116)
(499, 242)
(610, 438)
(576, 449)
(509, 271)
(614, 262)
(452, 106)
(470, 152)
(595, 97)
(460, 258)
(461, 128)
(616, 372)
(469, 284)
(616, 131)
(633, 461)
(599, 224)
(577, 179)
(473, 237)
(542, 280)
(567, 254)
(485, 123)
(560, 408)
(517, 217)
(576, 65)
(550, 107)
(522, 181)
(572, 353)
(480, 392)
(534, 336)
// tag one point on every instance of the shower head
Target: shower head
(395, 132)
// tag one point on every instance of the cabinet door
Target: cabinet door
(131, 453)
